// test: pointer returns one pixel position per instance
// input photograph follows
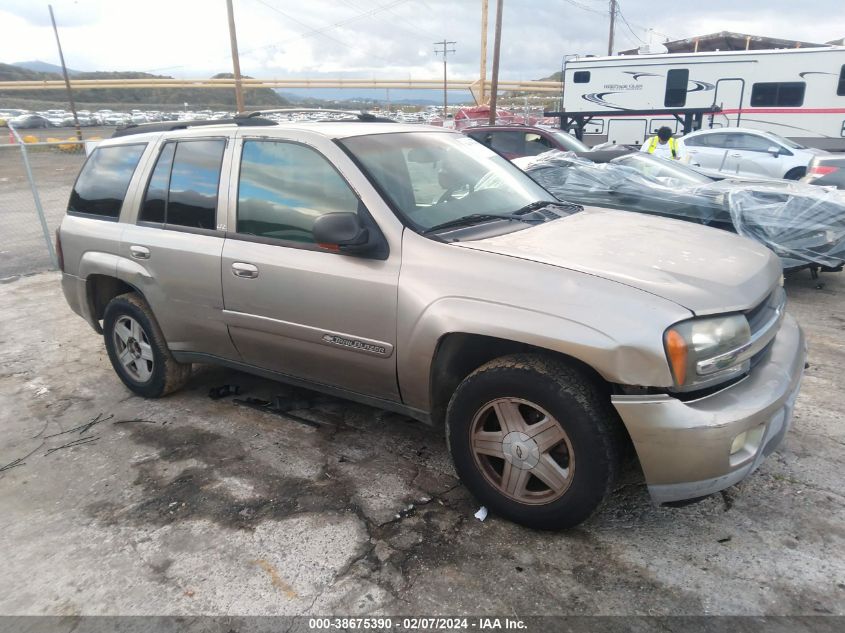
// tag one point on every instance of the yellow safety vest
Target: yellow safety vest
(673, 146)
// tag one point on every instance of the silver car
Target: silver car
(748, 152)
(415, 270)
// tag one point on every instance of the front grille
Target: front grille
(759, 315)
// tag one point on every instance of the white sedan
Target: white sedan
(748, 152)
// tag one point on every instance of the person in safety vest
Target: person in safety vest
(664, 145)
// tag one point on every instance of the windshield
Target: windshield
(569, 142)
(786, 141)
(661, 168)
(433, 178)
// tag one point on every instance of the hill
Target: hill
(127, 98)
(44, 67)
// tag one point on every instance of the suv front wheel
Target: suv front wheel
(137, 349)
(534, 440)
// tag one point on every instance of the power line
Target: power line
(575, 3)
(404, 25)
(622, 17)
(322, 30)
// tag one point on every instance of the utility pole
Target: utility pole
(64, 72)
(236, 63)
(613, 10)
(444, 50)
(483, 71)
(497, 45)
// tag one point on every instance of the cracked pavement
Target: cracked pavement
(188, 505)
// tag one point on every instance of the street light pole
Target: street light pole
(497, 45)
(64, 72)
(610, 35)
(236, 63)
(444, 50)
(483, 70)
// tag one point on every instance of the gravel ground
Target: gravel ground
(189, 505)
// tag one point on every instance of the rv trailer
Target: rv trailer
(798, 93)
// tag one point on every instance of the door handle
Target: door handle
(247, 271)
(139, 252)
(736, 155)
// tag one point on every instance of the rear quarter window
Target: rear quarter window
(103, 181)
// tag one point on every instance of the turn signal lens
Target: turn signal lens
(676, 349)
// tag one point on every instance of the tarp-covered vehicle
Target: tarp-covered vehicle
(803, 224)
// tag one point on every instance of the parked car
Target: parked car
(748, 152)
(514, 141)
(541, 336)
(29, 121)
(827, 171)
(802, 224)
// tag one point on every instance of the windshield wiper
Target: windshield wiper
(542, 204)
(473, 218)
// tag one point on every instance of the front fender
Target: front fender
(624, 358)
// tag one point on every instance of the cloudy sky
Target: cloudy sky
(374, 38)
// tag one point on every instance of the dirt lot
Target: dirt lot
(189, 505)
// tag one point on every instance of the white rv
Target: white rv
(797, 93)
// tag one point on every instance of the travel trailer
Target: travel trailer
(797, 93)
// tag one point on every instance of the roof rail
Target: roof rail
(167, 126)
(361, 115)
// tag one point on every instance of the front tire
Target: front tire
(535, 440)
(137, 349)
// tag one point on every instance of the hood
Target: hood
(703, 269)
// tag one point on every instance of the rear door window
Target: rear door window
(508, 142)
(155, 200)
(194, 180)
(103, 181)
(182, 190)
(752, 143)
(536, 144)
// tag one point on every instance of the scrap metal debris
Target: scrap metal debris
(481, 514)
(79, 442)
(13, 464)
(83, 428)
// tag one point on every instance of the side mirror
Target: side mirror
(774, 150)
(342, 232)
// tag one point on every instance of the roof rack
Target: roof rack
(167, 126)
(362, 115)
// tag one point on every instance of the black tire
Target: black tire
(595, 435)
(796, 173)
(167, 375)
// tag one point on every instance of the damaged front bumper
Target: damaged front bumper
(695, 448)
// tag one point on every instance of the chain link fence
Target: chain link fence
(36, 177)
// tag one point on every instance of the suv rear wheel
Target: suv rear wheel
(534, 440)
(137, 349)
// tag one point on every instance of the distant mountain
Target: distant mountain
(197, 98)
(44, 67)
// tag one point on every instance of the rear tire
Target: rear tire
(796, 173)
(137, 349)
(535, 440)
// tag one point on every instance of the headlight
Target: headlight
(699, 350)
